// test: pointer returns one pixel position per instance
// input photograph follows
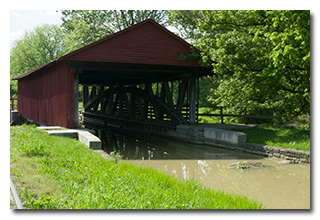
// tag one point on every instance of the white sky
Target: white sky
(22, 20)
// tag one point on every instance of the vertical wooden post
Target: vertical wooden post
(168, 94)
(192, 101)
(183, 87)
(76, 99)
(93, 91)
(12, 104)
(85, 95)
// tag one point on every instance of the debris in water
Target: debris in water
(244, 165)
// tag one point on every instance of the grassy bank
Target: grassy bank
(62, 173)
(280, 136)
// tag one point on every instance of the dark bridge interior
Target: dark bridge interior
(146, 96)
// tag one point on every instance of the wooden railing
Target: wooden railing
(247, 114)
(13, 104)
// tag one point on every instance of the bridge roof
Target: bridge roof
(146, 47)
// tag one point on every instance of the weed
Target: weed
(242, 165)
(44, 202)
(116, 155)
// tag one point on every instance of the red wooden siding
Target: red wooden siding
(48, 98)
(147, 43)
(45, 94)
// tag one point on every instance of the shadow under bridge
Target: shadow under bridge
(148, 97)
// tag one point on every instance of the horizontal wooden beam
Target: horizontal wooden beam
(136, 68)
(234, 115)
(127, 73)
(123, 78)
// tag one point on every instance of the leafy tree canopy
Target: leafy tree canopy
(260, 58)
(36, 47)
(86, 26)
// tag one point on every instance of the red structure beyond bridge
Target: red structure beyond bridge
(132, 77)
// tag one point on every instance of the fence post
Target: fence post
(12, 104)
(221, 114)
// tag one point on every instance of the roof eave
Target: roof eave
(30, 72)
(52, 62)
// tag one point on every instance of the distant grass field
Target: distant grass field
(63, 173)
(295, 137)
(280, 136)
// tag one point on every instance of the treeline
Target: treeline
(259, 58)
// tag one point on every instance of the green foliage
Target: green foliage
(30, 149)
(116, 155)
(44, 202)
(30, 145)
(88, 181)
(86, 26)
(241, 165)
(260, 58)
(36, 47)
(279, 136)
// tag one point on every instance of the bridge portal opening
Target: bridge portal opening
(137, 95)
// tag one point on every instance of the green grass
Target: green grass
(280, 136)
(62, 173)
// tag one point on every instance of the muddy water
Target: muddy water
(276, 185)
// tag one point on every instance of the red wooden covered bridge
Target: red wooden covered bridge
(133, 78)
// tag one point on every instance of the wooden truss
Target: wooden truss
(161, 103)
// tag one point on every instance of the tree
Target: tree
(35, 48)
(260, 58)
(86, 26)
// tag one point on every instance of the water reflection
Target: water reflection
(279, 186)
(137, 146)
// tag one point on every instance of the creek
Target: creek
(274, 182)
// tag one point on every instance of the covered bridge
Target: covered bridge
(134, 75)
